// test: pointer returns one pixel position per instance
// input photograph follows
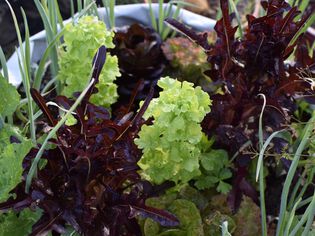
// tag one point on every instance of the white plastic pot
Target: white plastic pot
(124, 15)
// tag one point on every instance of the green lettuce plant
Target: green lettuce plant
(82, 39)
(171, 145)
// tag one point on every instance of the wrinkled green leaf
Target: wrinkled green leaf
(11, 157)
(9, 98)
(13, 224)
(172, 145)
(81, 41)
(247, 218)
(188, 215)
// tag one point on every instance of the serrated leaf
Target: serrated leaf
(18, 224)
(11, 157)
(9, 98)
(171, 146)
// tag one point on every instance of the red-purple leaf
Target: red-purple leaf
(162, 217)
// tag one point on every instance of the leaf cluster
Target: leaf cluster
(88, 180)
(188, 65)
(170, 146)
(252, 65)
(81, 41)
(214, 171)
(139, 56)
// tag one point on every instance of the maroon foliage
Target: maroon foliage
(90, 178)
(140, 57)
(251, 66)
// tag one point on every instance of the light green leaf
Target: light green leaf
(9, 98)
(224, 187)
(12, 224)
(11, 157)
(81, 41)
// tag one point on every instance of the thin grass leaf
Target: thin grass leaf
(308, 182)
(263, 149)
(59, 16)
(4, 66)
(303, 29)
(30, 111)
(304, 4)
(110, 11)
(310, 218)
(52, 15)
(112, 4)
(175, 16)
(40, 71)
(50, 36)
(291, 217)
(27, 45)
(161, 16)
(238, 18)
(307, 216)
(24, 70)
(261, 171)
(286, 187)
(294, 193)
(305, 202)
(72, 10)
(79, 4)
(152, 16)
(84, 11)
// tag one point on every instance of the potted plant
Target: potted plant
(106, 143)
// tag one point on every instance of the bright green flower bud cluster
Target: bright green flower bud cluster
(171, 146)
(81, 41)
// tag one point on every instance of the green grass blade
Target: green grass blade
(112, 12)
(303, 5)
(307, 217)
(303, 29)
(310, 218)
(72, 9)
(238, 18)
(26, 85)
(25, 71)
(27, 49)
(152, 16)
(291, 217)
(161, 16)
(58, 13)
(79, 4)
(263, 149)
(286, 187)
(4, 64)
(261, 172)
(41, 67)
(294, 193)
(50, 35)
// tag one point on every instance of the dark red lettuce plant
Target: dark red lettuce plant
(140, 57)
(249, 66)
(89, 180)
